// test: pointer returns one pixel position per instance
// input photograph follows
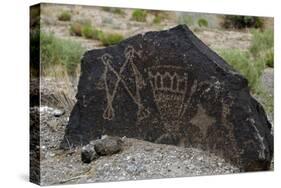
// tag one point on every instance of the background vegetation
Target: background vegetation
(59, 52)
(61, 55)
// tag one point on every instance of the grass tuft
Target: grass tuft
(114, 10)
(64, 16)
(262, 46)
(88, 31)
(77, 27)
(56, 51)
(139, 15)
(242, 62)
(108, 39)
(202, 22)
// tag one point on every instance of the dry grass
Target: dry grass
(61, 87)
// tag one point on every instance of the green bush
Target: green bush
(77, 27)
(262, 46)
(269, 57)
(139, 15)
(114, 10)
(202, 22)
(64, 16)
(242, 62)
(240, 22)
(88, 31)
(98, 34)
(111, 38)
(56, 51)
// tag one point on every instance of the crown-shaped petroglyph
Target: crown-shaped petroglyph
(168, 81)
(169, 86)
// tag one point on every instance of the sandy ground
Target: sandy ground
(110, 22)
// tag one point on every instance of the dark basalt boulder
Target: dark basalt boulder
(88, 153)
(169, 87)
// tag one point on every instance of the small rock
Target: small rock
(88, 153)
(104, 136)
(58, 113)
(53, 124)
(108, 145)
(148, 149)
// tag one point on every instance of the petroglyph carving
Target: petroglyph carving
(130, 53)
(202, 120)
(169, 86)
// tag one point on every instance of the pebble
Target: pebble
(58, 113)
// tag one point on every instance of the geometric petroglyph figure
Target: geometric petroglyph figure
(169, 86)
(130, 53)
(202, 120)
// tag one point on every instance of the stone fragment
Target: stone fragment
(58, 113)
(88, 153)
(108, 145)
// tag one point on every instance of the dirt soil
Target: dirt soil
(137, 160)
(123, 24)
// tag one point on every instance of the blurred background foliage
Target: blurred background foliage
(63, 33)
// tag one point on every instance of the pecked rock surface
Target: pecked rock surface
(168, 87)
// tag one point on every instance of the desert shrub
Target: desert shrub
(185, 19)
(157, 19)
(76, 29)
(240, 22)
(139, 15)
(269, 57)
(262, 46)
(64, 16)
(107, 9)
(242, 62)
(262, 40)
(114, 10)
(110, 38)
(56, 51)
(202, 22)
(88, 31)
(98, 34)
(118, 11)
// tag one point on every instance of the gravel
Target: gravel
(268, 80)
(137, 160)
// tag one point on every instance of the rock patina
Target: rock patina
(169, 87)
